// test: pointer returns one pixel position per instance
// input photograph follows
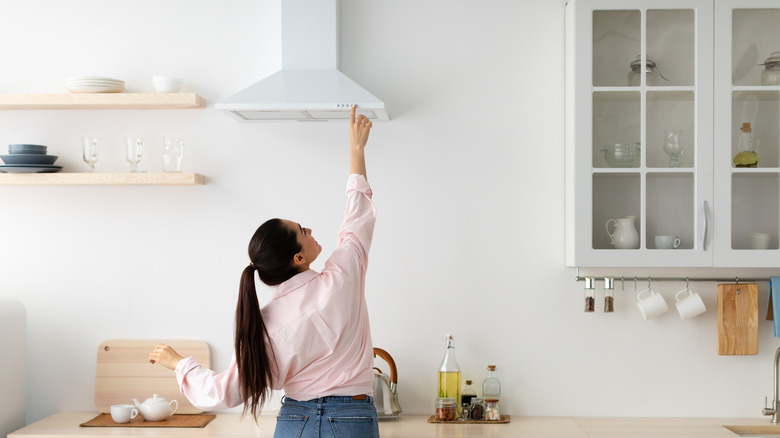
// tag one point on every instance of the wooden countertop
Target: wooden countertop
(66, 424)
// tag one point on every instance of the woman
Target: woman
(312, 339)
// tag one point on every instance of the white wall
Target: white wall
(468, 179)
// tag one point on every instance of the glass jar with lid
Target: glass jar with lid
(651, 72)
(491, 410)
(446, 409)
(771, 73)
(477, 409)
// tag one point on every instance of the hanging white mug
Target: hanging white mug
(651, 305)
(690, 306)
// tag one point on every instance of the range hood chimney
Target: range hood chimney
(309, 87)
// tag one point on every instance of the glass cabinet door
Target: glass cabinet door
(747, 124)
(640, 134)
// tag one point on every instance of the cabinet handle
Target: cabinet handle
(706, 224)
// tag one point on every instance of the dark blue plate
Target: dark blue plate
(29, 159)
(21, 168)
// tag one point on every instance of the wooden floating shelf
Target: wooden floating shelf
(101, 179)
(100, 101)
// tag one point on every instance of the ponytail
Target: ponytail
(252, 354)
(271, 252)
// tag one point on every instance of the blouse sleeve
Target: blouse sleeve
(207, 389)
(357, 229)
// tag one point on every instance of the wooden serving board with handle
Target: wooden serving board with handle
(124, 373)
(738, 319)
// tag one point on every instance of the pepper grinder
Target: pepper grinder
(609, 294)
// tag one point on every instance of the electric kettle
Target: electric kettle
(385, 388)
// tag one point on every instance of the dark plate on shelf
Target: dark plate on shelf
(31, 168)
(29, 159)
(26, 149)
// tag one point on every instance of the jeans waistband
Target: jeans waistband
(335, 398)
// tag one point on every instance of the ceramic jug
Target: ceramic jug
(624, 235)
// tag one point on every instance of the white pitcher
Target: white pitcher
(624, 236)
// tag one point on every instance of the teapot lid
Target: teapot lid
(155, 399)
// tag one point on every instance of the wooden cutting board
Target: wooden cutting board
(738, 319)
(124, 373)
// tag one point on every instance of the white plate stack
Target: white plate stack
(94, 84)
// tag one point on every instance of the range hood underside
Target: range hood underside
(303, 95)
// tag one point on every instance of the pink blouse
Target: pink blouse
(317, 323)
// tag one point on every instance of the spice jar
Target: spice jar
(446, 409)
(771, 73)
(609, 294)
(491, 410)
(590, 295)
(477, 409)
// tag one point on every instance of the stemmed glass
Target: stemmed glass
(134, 148)
(90, 147)
(672, 147)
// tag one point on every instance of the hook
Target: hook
(687, 284)
(648, 283)
(737, 285)
(634, 284)
(577, 278)
(622, 284)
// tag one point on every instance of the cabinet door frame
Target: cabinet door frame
(579, 139)
(725, 255)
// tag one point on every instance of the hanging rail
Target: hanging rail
(682, 279)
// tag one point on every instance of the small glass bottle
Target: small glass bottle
(491, 410)
(609, 294)
(445, 409)
(465, 398)
(477, 409)
(590, 295)
(748, 148)
(491, 387)
(449, 372)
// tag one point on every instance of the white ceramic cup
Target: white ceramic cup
(652, 304)
(166, 84)
(123, 413)
(667, 242)
(690, 306)
(758, 240)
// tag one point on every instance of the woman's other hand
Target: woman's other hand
(165, 356)
(359, 128)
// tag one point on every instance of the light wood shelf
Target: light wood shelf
(24, 101)
(101, 179)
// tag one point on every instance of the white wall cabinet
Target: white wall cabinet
(704, 84)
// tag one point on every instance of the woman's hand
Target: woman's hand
(359, 128)
(165, 356)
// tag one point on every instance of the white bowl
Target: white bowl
(166, 84)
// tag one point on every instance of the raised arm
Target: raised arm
(358, 137)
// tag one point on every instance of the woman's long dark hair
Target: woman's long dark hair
(271, 252)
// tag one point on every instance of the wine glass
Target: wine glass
(90, 147)
(134, 149)
(672, 147)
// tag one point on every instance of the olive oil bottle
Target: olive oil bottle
(449, 373)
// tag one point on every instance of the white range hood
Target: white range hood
(309, 87)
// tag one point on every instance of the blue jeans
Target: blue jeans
(334, 416)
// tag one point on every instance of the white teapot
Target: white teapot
(156, 408)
